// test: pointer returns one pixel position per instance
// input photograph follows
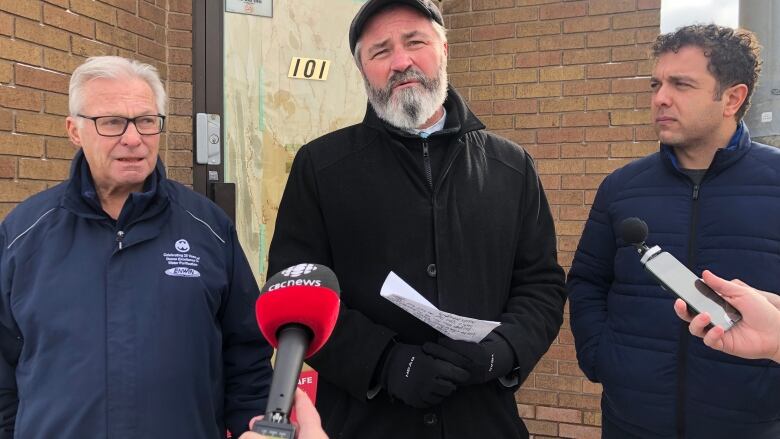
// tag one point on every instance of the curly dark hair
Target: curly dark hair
(734, 55)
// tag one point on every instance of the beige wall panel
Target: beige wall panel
(268, 116)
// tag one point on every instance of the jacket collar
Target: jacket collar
(460, 119)
(737, 147)
(81, 196)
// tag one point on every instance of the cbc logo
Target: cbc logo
(182, 245)
(298, 270)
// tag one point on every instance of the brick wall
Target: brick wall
(42, 42)
(568, 81)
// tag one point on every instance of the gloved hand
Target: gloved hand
(487, 360)
(418, 379)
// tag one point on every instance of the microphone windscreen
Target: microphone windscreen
(633, 230)
(304, 294)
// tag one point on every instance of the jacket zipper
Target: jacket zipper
(120, 235)
(427, 163)
(682, 359)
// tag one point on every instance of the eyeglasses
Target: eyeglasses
(115, 126)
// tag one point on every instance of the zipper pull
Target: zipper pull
(695, 191)
(120, 235)
(425, 149)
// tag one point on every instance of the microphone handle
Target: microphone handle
(293, 341)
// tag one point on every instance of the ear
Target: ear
(72, 127)
(733, 98)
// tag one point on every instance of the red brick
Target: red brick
(558, 42)
(18, 191)
(182, 175)
(36, 169)
(561, 135)
(127, 5)
(61, 61)
(586, 402)
(579, 432)
(537, 59)
(604, 166)
(35, 123)
(517, 14)
(648, 4)
(585, 24)
(461, 50)
(609, 134)
(41, 79)
(151, 49)
(184, 6)
(502, 122)
(493, 92)
(25, 8)
(55, 103)
(637, 19)
(561, 73)
(84, 47)
(589, 118)
(538, 121)
(570, 368)
(516, 45)
(537, 28)
(645, 133)
(586, 56)
(530, 396)
(6, 24)
(557, 105)
(526, 411)
(561, 166)
(592, 149)
(184, 22)
(560, 197)
(493, 32)
(581, 181)
(21, 98)
(539, 90)
(633, 149)
(152, 13)
(587, 87)
(17, 50)
(563, 10)
(643, 100)
(93, 9)
(591, 388)
(559, 414)
(646, 35)
(471, 79)
(479, 5)
(136, 25)
(591, 418)
(612, 38)
(6, 120)
(544, 152)
(550, 182)
(180, 56)
(629, 53)
(17, 144)
(63, 19)
(494, 62)
(537, 428)
(515, 76)
(611, 101)
(598, 7)
(116, 37)
(455, 65)
(521, 137)
(629, 85)
(471, 20)
(612, 70)
(7, 167)
(60, 148)
(639, 117)
(515, 106)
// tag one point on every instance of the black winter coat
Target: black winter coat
(481, 244)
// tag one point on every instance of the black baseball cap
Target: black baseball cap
(371, 7)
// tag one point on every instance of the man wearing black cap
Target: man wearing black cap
(421, 189)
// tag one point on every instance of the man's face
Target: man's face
(117, 164)
(685, 112)
(404, 65)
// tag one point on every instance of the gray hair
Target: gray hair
(440, 31)
(113, 67)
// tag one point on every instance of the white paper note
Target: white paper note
(453, 326)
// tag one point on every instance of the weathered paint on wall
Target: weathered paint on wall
(268, 116)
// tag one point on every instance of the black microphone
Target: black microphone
(634, 231)
(296, 312)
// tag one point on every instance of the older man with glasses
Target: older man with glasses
(125, 298)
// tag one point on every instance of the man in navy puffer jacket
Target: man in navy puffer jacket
(126, 302)
(711, 197)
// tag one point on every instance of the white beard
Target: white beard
(409, 107)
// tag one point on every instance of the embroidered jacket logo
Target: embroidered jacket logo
(182, 263)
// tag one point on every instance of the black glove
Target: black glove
(485, 361)
(418, 379)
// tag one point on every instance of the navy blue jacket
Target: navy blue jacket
(136, 328)
(658, 380)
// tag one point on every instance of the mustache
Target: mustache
(406, 76)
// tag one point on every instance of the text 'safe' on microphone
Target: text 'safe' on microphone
(296, 311)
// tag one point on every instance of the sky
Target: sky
(676, 13)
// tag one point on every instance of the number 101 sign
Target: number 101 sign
(309, 68)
